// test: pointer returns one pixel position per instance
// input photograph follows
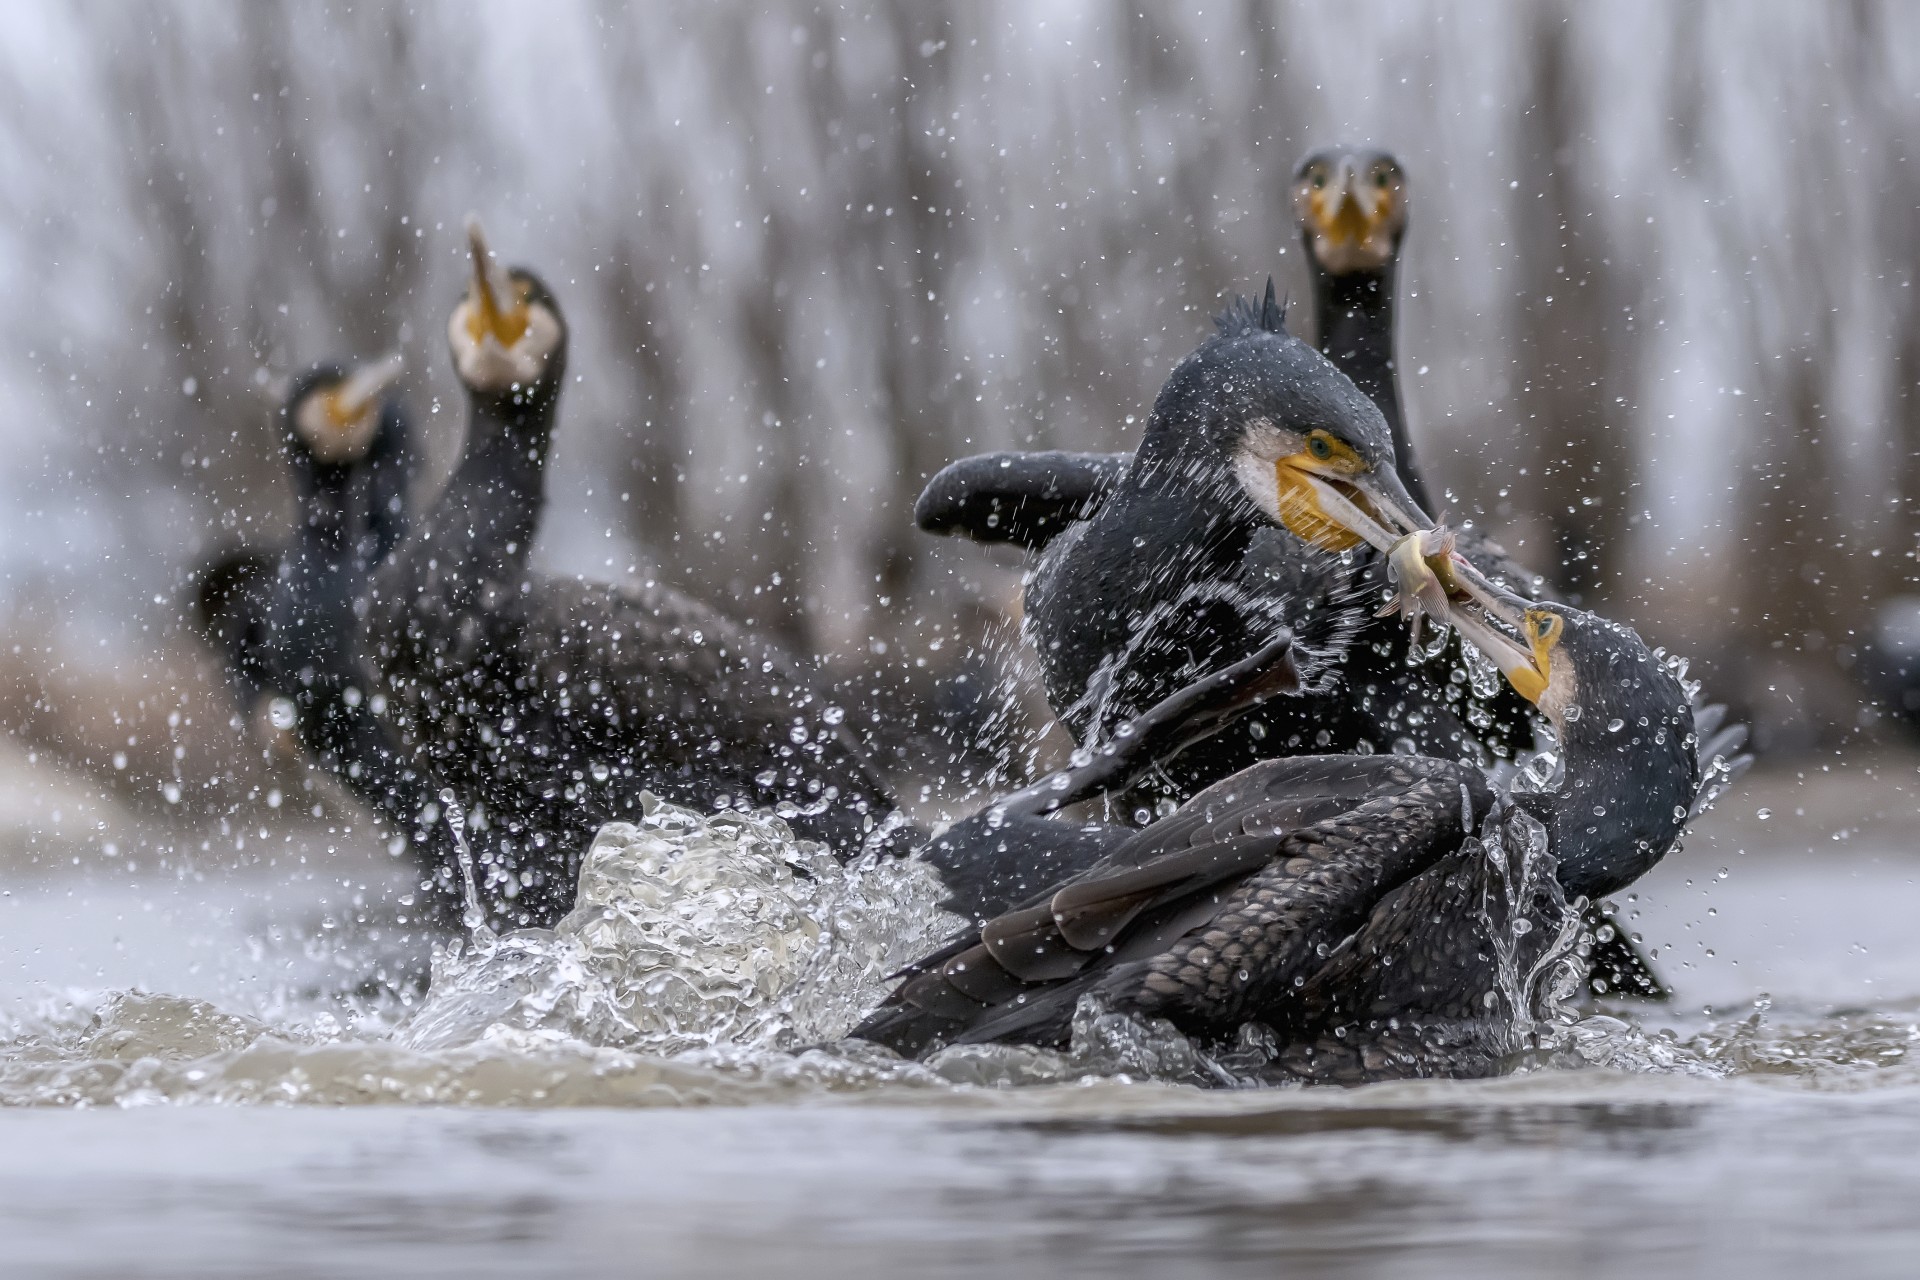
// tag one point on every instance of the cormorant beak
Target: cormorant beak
(362, 390)
(1372, 506)
(1343, 218)
(493, 310)
(1526, 667)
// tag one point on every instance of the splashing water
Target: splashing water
(692, 932)
(1537, 979)
(1483, 674)
(717, 959)
(472, 914)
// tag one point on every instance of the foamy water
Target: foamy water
(715, 958)
(657, 1084)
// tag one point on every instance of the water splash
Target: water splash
(1535, 932)
(473, 916)
(691, 932)
(717, 959)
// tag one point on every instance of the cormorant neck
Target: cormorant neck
(1623, 797)
(1202, 511)
(495, 495)
(323, 509)
(1356, 333)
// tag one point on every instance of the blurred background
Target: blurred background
(1659, 325)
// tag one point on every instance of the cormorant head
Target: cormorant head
(332, 415)
(1309, 450)
(1624, 724)
(507, 334)
(1351, 203)
(1583, 671)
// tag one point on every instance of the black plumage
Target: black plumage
(350, 453)
(1017, 845)
(1361, 908)
(1026, 499)
(549, 704)
(1178, 571)
(287, 622)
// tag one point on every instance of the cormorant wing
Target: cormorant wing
(1295, 851)
(1022, 498)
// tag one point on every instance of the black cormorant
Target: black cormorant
(1380, 916)
(1183, 568)
(349, 448)
(287, 623)
(1351, 207)
(549, 704)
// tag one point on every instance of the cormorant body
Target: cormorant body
(232, 597)
(1361, 908)
(549, 704)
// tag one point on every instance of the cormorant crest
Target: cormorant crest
(1242, 316)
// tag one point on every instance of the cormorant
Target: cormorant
(549, 704)
(1184, 567)
(286, 623)
(349, 447)
(1380, 916)
(1351, 207)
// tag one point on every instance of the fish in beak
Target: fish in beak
(1419, 591)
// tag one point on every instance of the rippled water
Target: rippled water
(714, 961)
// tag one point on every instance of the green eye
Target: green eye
(1383, 179)
(1318, 446)
(1543, 627)
(1318, 178)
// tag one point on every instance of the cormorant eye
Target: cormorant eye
(1384, 178)
(1318, 178)
(1543, 625)
(1319, 446)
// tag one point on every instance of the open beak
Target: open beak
(1374, 506)
(1524, 668)
(492, 310)
(364, 387)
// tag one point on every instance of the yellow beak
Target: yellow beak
(363, 388)
(492, 309)
(1526, 667)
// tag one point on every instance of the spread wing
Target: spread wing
(1021, 498)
